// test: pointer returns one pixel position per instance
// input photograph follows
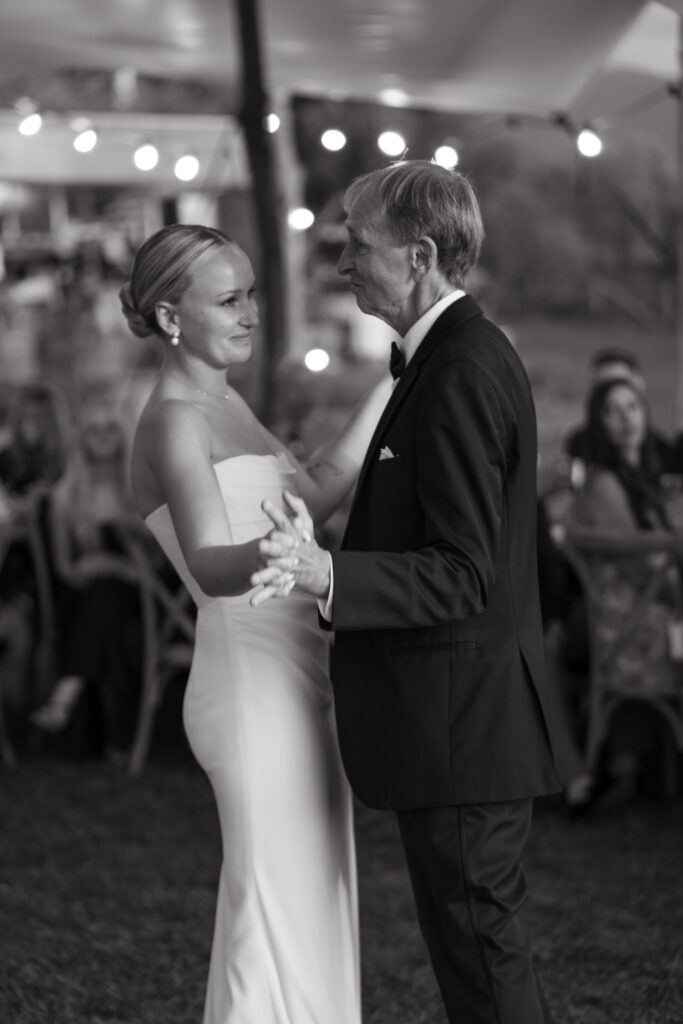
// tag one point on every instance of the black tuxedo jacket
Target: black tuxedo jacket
(437, 664)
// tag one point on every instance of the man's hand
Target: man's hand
(290, 549)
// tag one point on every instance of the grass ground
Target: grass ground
(107, 892)
(107, 885)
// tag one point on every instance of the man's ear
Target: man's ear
(167, 318)
(424, 256)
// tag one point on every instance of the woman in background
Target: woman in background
(623, 481)
(38, 436)
(623, 492)
(32, 459)
(99, 629)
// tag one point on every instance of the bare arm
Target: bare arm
(333, 469)
(177, 448)
(602, 502)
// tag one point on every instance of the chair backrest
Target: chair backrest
(168, 626)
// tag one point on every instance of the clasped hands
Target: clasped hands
(289, 554)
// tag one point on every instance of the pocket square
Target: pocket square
(386, 453)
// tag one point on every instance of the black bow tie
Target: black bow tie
(397, 362)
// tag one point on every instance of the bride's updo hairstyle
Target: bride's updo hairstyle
(163, 269)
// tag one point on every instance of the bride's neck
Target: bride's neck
(197, 377)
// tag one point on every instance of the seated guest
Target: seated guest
(622, 491)
(605, 365)
(623, 481)
(32, 459)
(99, 634)
(35, 454)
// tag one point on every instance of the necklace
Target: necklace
(208, 394)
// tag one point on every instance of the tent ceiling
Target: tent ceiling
(526, 56)
(592, 58)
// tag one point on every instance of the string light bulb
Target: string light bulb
(333, 139)
(31, 124)
(316, 360)
(146, 157)
(186, 167)
(394, 97)
(391, 143)
(446, 156)
(300, 219)
(588, 143)
(85, 141)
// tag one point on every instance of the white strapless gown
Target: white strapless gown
(259, 717)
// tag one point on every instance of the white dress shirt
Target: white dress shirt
(409, 345)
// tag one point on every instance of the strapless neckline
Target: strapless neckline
(218, 465)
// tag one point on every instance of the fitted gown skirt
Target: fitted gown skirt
(259, 717)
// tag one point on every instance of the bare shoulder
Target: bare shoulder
(165, 420)
(602, 500)
(169, 432)
(602, 483)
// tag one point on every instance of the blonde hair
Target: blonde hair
(163, 269)
(75, 492)
(418, 197)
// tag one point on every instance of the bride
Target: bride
(258, 707)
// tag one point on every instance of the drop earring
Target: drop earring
(175, 338)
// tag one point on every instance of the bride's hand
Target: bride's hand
(290, 546)
(274, 576)
(281, 585)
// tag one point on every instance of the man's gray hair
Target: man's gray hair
(419, 198)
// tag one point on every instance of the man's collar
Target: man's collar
(418, 332)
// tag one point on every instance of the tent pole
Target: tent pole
(266, 200)
(679, 236)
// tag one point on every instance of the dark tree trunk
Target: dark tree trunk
(266, 199)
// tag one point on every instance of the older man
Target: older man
(437, 664)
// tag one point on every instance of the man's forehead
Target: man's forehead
(363, 218)
(361, 201)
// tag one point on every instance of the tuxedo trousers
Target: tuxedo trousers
(465, 867)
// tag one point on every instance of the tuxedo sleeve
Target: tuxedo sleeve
(463, 436)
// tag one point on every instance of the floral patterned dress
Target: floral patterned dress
(635, 604)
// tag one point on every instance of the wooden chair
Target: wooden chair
(168, 627)
(26, 529)
(9, 758)
(632, 584)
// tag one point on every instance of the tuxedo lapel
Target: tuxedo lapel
(401, 390)
(452, 317)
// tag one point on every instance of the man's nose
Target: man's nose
(344, 265)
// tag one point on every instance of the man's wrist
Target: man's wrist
(323, 587)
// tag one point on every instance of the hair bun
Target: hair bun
(137, 323)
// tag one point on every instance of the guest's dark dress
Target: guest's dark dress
(100, 642)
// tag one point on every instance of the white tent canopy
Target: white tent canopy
(535, 58)
(526, 56)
